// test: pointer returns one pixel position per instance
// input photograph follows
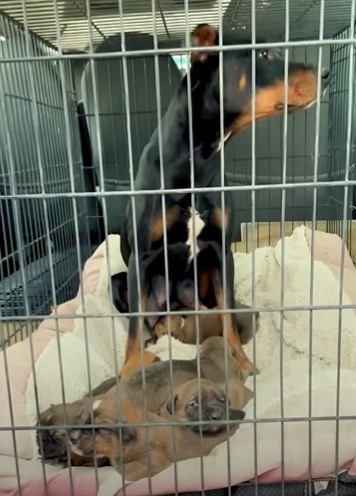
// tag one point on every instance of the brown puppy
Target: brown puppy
(184, 403)
(184, 327)
(53, 444)
(158, 380)
(138, 452)
(157, 391)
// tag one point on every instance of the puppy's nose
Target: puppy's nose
(74, 436)
(216, 414)
(325, 78)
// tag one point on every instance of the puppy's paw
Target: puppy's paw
(175, 322)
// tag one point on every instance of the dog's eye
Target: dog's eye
(58, 434)
(222, 399)
(265, 54)
(193, 404)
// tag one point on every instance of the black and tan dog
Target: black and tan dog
(183, 327)
(237, 114)
(126, 445)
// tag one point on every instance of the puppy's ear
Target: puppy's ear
(203, 35)
(248, 394)
(171, 404)
(84, 415)
(49, 417)
(236, 414)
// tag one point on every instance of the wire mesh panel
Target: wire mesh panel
(39, 252)
(338, 136)
(214, 372)
(269, 160)
(107, 93)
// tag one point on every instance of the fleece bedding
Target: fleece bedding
(65, 340)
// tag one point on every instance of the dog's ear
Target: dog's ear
(119, 292)
(203, 35)
(248, 394)
(171, 404)
(49, 417)
(236, 414)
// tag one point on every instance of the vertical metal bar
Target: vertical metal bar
(107, 249)
(223, 229)
(312, 248)
(283, 218)
(13, 189)
(11, 410)
(36, 125)
(3, 345)
(75, 211)
(133, 205)
(164, 224)
(253, 227)
(344, 227)
(194, 234)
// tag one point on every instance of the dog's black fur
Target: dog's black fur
(269, 101)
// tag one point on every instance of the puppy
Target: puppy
(158, 379)
(191, 397)
(157, 391)
(53, 444)
(137, 451)
(185, 330)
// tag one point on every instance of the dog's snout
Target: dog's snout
(325, 79)
(216, 414)
(74, 436)
(325, 74)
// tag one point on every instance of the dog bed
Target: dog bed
(106, 337)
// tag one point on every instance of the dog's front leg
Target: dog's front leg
(133, 358)
(232, 335)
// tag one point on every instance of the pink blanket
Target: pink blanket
(327, 253)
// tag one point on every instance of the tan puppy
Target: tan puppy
(157, 391)
(53, 444)
(158, 383)
(189, 399)
(184, 327)
(126, 447)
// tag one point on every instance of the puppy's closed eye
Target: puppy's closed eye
(58, 434)
(127, 433)
(193, 404)
(171, 404)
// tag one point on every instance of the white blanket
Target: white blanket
(289, 334)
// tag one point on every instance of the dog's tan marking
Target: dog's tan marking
(156, 228)
(242, 82)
